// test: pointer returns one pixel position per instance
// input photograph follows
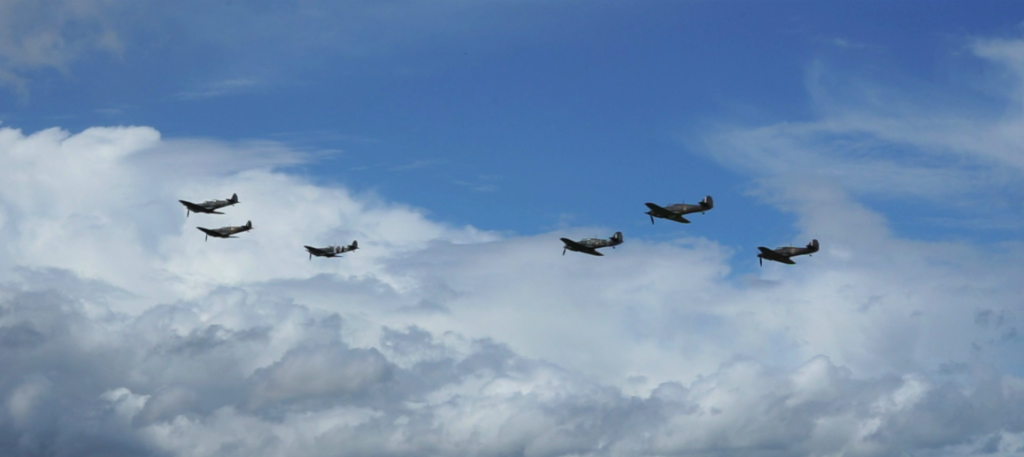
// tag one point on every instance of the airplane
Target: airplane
(331, 251)
(783, 254)
(675, 212)
(225, 232)
(209, 207)
(591, 245)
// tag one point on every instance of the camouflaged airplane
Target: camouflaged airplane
(331, 251)
(783, 254)
(209, 207)
(591, 245)
(675, 212)
(225, 232)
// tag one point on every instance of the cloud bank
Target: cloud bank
(123, 333)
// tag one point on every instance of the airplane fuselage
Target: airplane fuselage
(331, 251)
(784, 254)
(215, 204)
(209, 206)
(683, 208)
(789, 251)
(676, 211)
(591, 245)
(225, 232)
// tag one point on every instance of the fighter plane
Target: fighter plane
(591, 245)
(209, 207)
(675, 212)
(331, 251)
(225, 232)
(783, 254)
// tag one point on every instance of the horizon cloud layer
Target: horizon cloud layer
(122, 332)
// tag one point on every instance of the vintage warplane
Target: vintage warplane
(225, 232)
(783, 254)
(331, 251)
(591, 245)
(209, 207)
(675, 212)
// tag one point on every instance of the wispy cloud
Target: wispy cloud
(109, 111)
(219, 89)
(482, 183)
(51, 34)
(418, 164)
(845, 43)
(904, 146)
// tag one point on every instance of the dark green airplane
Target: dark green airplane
(209, 207)
(331, 251)
(225, 232)
(591, 245)
(675, 212)
(783, 254)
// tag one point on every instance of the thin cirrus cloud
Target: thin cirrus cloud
(880, 141)
(51, 34)
(219, 89)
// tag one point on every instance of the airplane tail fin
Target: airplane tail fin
(813, 245)
(355, 245)
(248, 225)
(617, 237)
(707, 202)
(234, 198)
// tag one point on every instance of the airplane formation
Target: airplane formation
(674, 212)
(211, 207)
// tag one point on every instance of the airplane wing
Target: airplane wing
(772, 255)
(318, 251)
(194, 207)
(212, 232)
(574, 246)
(663, 213)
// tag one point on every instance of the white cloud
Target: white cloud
(875, 140)
(442, 340)
(123, 332)
(181, 380)
(37, 34)
(219, 89)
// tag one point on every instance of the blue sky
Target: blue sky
(457, 140)
(521, 116)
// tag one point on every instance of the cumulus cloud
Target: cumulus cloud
(263, 377)
(123, 333)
